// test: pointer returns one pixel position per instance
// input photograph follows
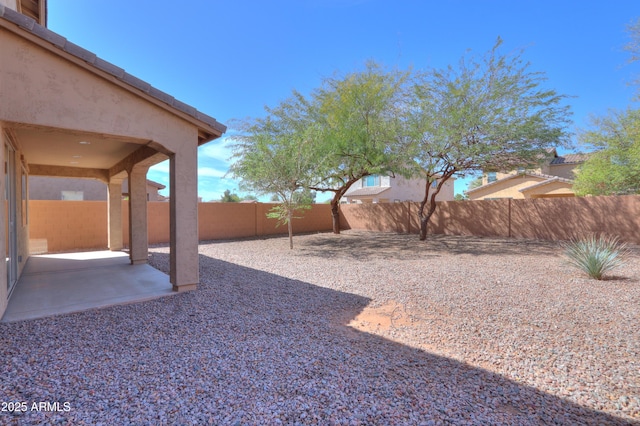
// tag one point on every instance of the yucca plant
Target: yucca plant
(596, 254)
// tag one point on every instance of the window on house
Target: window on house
(434, 184)
(492, 177)
(72, 195)
(373, 180)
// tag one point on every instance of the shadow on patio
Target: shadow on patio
(71, 282)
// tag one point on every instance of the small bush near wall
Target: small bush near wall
(596, 255)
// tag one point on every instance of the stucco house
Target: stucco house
(389, 189)
(75, 189)
(65, 112)
(554, 178)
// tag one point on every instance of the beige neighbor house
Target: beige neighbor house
(553, 179)
(77, 189)
(65, 112)
(388, 189)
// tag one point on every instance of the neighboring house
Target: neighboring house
(388, 189)
(72, 189)
(554, 178)
(65, 112)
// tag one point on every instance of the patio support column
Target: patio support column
(138, 236)
(114, 202)
(183, 207)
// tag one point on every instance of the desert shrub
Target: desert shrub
(596, 254)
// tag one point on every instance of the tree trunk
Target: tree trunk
(431, 199)
(335, 201)
(290, 227)
(335, 215)
(424, 218)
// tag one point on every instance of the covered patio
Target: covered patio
(67, 113)
(56, 284)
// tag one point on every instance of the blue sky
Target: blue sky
(229, 59)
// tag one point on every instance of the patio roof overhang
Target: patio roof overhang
(53, 148)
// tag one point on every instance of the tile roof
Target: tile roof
(570, 159)
(29, 24)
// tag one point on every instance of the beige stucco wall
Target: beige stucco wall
(553, 189)
(51, 188)
(566, 171)
(561, 170)
(400, 189)
(36, 80)
(11, 4)
(413, 190)
(507, 189)
(47, 88)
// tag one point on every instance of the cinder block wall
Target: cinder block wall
(56, 226)
(59, 226)
(541, 218)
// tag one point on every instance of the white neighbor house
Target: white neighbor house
(388, 189)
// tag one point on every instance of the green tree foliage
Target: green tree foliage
(614, 168)
(633, 47)
(485, 114)
(276, 155)
(476, 183)
(359, 119)
(229, 197)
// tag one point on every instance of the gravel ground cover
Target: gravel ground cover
(352, 329)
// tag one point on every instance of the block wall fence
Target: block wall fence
(59, 226)
(541, 219)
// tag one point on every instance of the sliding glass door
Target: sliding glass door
(10, 216)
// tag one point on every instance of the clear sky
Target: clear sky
(229, 59)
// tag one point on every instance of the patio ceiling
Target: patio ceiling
(56, 147)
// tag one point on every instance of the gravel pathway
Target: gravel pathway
(355, 329)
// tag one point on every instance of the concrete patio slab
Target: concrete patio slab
(71, 282)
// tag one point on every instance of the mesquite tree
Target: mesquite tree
(276, 155)
(359, 124)
(488, 114)
(614, 166)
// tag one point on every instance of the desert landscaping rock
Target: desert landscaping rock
(352, 329)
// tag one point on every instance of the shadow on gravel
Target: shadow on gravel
(361, 245)
(249, 347)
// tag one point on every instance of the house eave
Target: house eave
(208, 127)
